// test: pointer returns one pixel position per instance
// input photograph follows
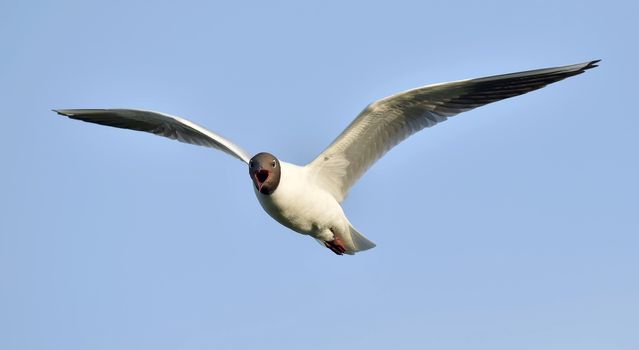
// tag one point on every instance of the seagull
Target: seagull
(307, 199)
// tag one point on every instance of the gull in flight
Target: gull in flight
(307, 199)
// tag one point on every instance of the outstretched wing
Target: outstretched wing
(387, 122)
(160, 124)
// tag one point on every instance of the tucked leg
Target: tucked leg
(336, 245)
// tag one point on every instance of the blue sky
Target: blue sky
(513, 226)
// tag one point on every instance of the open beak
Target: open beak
(260, 177)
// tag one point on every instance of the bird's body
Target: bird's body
(303, 206)
(307, 199)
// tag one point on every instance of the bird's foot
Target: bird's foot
(336, 246)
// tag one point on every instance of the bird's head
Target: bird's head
(264, 169)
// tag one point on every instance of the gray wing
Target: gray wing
(387, 122)
(160, 124)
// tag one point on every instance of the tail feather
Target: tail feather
(360, 241)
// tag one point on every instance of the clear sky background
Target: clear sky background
(513, 226)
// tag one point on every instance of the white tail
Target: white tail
(360, 241)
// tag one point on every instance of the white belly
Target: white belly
(299, 204)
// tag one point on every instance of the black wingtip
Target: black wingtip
(591, 64)
(64, 112)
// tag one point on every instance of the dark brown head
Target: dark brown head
(265, 172)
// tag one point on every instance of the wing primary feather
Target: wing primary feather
(159, 124)
(387, 122)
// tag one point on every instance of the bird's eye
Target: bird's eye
(273, 164)
(251, 164)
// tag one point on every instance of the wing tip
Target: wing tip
(65, 112)
(581, 67)
(591, 64)
(77, 112)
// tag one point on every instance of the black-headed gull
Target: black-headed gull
(307, 198)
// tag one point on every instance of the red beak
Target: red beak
(261, 176)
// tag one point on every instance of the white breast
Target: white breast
(299, 204)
